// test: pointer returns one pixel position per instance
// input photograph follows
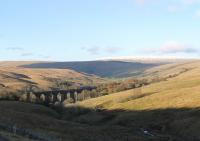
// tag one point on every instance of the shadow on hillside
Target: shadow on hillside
(100, 68)
(161, 124)
(85, 124)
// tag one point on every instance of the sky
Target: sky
(79, 30)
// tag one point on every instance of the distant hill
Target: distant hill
(14, 78)
(101, 68)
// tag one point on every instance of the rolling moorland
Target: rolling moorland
(111, 69)
(14, 79)
(165, 110)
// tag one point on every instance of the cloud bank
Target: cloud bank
(171, 6)
(173, 47)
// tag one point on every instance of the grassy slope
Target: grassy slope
(170, 107)
(181, 91)
(14, 77)
(48, 123)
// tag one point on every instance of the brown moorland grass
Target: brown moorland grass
(174, 103)
(164, 111)
(14, 78)
(177, 92)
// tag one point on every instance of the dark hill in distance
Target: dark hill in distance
(115, 69)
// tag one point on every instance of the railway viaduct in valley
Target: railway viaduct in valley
(54, 96)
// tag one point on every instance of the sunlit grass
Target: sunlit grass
(178, 92)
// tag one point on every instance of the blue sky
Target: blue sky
(71, 30)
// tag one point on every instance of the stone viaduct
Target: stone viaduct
(54, 96)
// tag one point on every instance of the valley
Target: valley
(99, 70)
(163, 108)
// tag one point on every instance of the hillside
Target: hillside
(168, 110)
(41, 123)
(183, 85)
(100, 68)
(14, 78)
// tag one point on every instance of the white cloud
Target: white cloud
(96, 50)
(145, 2)
(179, 2)
(176, 47)
(181, 5)
(197, 13)
(189, 2)
(140, 2)
(27, 54)
(113, 49)
(15, 48)
(173, 47)
(173, 8)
